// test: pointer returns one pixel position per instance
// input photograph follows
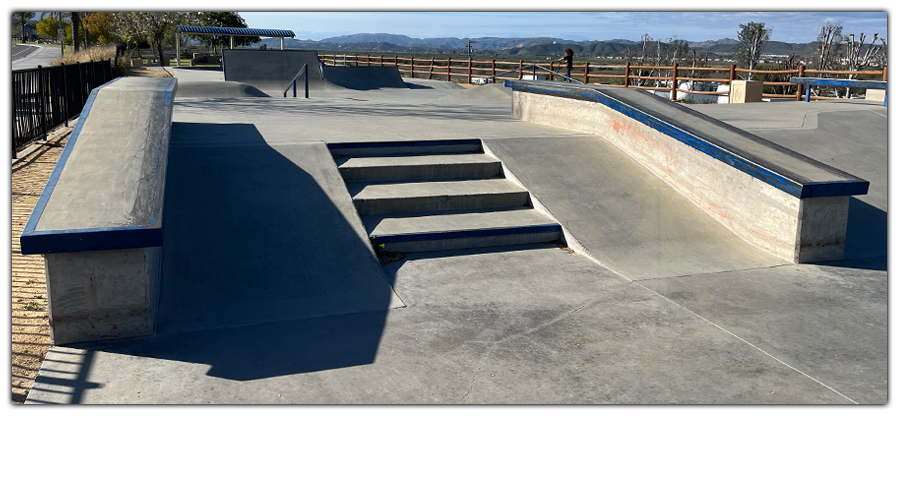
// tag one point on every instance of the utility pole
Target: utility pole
(61, 33)
(469, 48)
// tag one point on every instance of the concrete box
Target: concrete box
(875, 95)
(745, 91)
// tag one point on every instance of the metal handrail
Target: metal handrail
(534, 68)
(294, 82)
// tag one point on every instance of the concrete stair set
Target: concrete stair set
(438, 195)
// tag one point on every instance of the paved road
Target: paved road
(31, 56)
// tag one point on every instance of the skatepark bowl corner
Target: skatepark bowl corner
(393, 240)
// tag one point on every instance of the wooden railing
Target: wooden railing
(664, 78)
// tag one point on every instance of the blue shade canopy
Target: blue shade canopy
(215, 30)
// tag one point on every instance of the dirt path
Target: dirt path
(30, 327)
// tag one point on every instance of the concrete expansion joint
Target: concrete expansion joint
(751, 344)
(498, 342)
(713, 273)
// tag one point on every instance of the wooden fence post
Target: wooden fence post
(431, 69)
(449, 64)
(627, 73)
(587, 65)
(801, 70)
(675, 81)
(382, 59)
(493, 69)
(412, 67)
(521, 63)
(732, 74)
(884, 74)
(470, 70)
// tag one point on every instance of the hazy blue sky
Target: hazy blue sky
(787, 26)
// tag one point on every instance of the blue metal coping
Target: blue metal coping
(398, 144)
(832, 82)
(93, 239)
(466, 233)
(218, 30)
(766, 174)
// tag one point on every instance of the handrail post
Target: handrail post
(65, 99)
(674, 81)
(41, 92)
(627, 73)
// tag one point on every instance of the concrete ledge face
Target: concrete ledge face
(762, 214)
(102, 295)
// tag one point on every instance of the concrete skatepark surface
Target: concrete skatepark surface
(272, 294)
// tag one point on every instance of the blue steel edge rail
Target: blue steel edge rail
(848, 187)
(350, 146)
(467, 233)
(94, 239)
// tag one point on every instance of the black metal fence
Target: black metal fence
(44, 98)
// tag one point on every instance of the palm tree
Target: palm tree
(22, 18)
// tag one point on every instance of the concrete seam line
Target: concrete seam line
(494, 345)
(823, 384)
(773, 266)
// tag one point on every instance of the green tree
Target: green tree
(100, 25)
(751, 39)
(20, 19)
(155, 26)
(222, 20)
(48, 27)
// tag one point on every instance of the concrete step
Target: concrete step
(419, 167)
(454, 231)
(432, 147)
(415, 197)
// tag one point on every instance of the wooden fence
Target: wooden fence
(662, 78)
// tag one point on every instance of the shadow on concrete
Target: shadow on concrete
(867, 238)
(262, 275)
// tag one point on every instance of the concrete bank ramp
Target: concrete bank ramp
(624, 216)
(270, 70)
(494, 92)
(217, 89)
(362, 77)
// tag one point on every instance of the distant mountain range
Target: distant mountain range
(499, 46)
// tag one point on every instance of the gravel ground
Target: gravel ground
(30, 327)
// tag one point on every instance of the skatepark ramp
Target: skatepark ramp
(271, 71)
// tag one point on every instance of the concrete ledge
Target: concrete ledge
(98, 221)
(770, 196)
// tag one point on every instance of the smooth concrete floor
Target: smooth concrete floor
(674, 318)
